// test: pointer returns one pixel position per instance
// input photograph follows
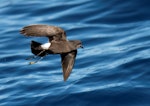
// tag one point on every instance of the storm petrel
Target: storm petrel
(58, 44)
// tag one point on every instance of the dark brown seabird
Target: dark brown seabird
(58, 44)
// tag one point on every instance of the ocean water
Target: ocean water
(113, 69)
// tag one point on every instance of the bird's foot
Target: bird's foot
(32, 62)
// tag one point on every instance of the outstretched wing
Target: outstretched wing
(68, 60)
(44, 30)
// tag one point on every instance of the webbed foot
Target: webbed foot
(32, 62)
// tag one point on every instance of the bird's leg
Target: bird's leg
(35, 56)
(33, 62)
(41, 52)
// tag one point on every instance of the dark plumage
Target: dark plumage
(52, 32)
(58, 44)
(35, 50)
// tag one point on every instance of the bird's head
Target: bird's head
(77, 43)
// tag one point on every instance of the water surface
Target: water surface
(113, 69)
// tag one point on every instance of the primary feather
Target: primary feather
(53, 32)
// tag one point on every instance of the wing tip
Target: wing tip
(65, 78)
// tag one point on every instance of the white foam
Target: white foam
(46, 46)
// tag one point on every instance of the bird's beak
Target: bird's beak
(82, 46)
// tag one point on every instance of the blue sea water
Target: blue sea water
(113, 69)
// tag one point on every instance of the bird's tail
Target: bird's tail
(36, 49)
(35, 44)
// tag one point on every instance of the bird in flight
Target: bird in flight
(58, 44)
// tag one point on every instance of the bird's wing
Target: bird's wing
(44, 30)
(68, 60)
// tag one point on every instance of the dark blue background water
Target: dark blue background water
(112, 70)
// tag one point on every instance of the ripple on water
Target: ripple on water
(112, 69)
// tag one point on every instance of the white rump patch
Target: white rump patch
(46, 46)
